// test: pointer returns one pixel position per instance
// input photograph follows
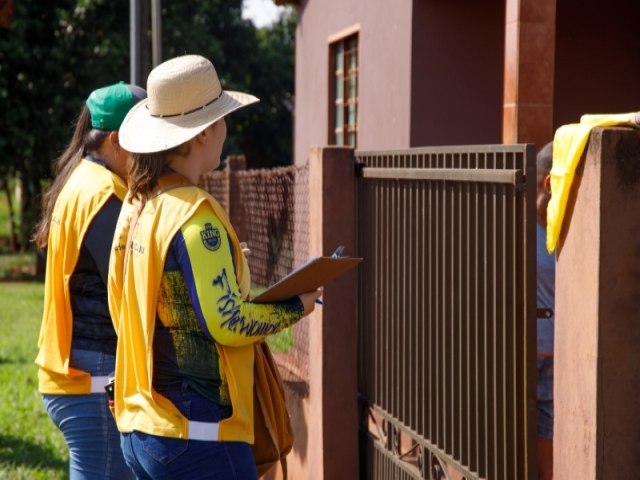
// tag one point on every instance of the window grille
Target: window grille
(344, 92)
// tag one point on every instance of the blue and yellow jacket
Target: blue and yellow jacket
(220, 283)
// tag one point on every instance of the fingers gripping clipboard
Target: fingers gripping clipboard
(311, 275)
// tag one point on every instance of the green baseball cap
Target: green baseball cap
(109, 105)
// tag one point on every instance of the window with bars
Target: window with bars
(343, 116)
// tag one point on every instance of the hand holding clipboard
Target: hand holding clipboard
(310, 276)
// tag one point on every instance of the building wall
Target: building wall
(597, 66)
(384, 77)
(432, 72)
(457, 74)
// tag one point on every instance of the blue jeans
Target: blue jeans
(545, 397)
(87, 424)
(156, 457)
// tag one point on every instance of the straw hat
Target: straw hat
(184, 98)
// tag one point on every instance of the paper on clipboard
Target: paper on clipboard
(312, 275)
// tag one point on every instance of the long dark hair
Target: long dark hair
(84, 139)
(145, 170)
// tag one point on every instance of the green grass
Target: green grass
(17, 266)
(281, 342)
(31, 447)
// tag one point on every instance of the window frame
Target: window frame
(344, 87)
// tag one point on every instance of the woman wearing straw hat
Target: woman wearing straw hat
(178, 281)
(77, 344)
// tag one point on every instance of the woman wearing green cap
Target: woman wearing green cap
(77, 341)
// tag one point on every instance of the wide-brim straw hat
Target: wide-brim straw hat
(184, 96)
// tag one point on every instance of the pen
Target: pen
(336, 254)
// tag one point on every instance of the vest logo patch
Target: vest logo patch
(210, 237)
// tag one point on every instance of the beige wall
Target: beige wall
(597, 65)
(384, 80)
(431, 73)
(457, 72)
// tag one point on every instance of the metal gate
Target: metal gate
(447, 312)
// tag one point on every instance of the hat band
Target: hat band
(185, 113)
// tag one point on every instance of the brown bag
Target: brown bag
(271, 423)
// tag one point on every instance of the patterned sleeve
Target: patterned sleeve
(204, 255)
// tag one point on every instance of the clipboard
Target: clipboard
(311, 275)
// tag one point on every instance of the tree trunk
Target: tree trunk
(13, 239)
(29, 208)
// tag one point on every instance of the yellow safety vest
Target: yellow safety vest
(134, 282)
(86, 191)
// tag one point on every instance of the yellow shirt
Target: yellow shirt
(86, 191)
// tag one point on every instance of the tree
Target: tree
(53, 54)
(267, 129)
(56, 52)
(258, 61)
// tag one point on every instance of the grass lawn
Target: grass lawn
(30, 446)
(17, 266)
(281, 342)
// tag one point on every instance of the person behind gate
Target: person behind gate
(178, 286)
(546, 277)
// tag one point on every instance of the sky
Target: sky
(260, 12)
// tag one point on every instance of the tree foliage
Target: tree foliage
(268, 128)
(53, 54)
(258, 61)
(58, 51)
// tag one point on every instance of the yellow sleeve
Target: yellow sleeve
(205, 257)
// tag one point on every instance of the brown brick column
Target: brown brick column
(326, 422)
(597, 343)
(333, 421)
(530, 33)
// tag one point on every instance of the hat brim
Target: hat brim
(141, 132)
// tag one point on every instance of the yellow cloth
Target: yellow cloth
(133, 296)
(568, 145)
(86, 191)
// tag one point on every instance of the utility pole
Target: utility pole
(156, 33)
(134, 42)
(139, 41)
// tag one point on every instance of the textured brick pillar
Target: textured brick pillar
(597, 343)
(333, 389)
(326, 423)
(530, 33)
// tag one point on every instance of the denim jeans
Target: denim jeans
(156, 457)
(545, 397)
(88, 426)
